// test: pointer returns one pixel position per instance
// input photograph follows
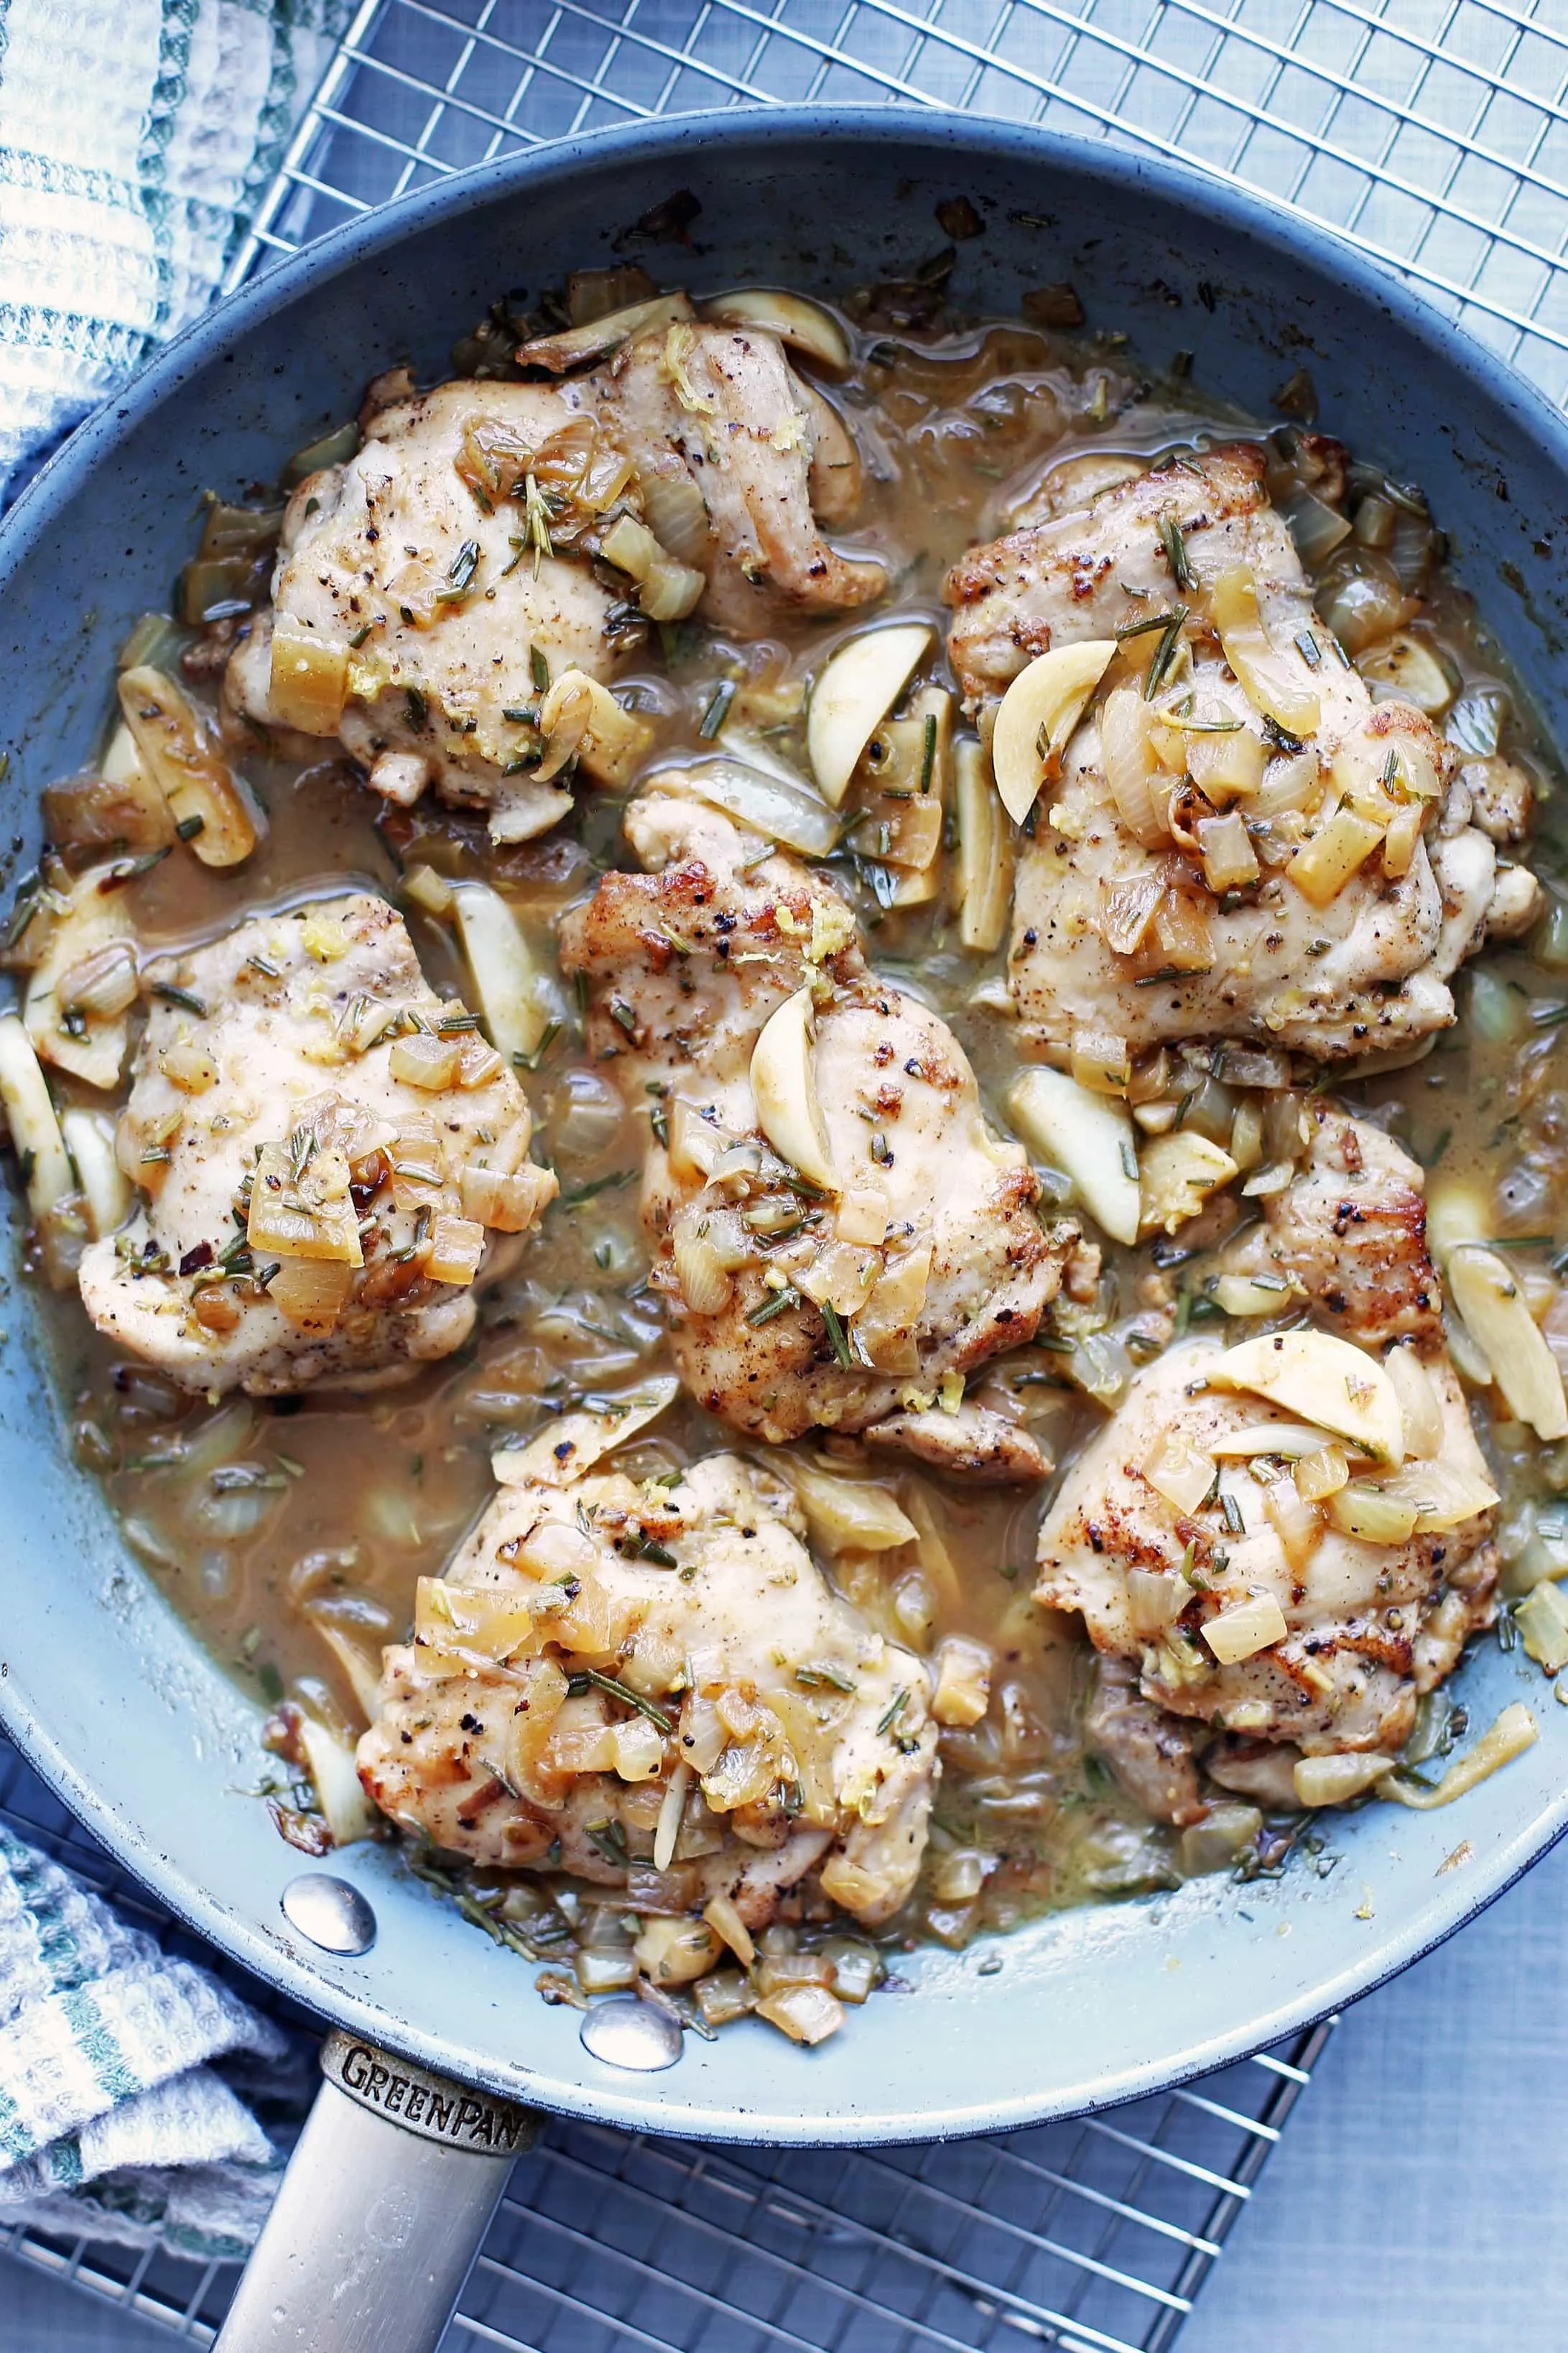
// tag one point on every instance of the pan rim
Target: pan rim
(1272, 233)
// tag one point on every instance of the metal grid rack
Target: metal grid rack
(1093, 2236)
(1434, 134)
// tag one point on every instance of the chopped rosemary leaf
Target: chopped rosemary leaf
(821, 1674)
(894, 1708)
(928, 752)
(461, 578)
(1164, 654)
(614, 1689)
(534, 1061)
(1142, 629)
(597, 1184)
(539, 669)
(180, 996)
(718, 709)
(418, 707)
(1307, 647)
(788, 1297)
(837, 1333)
(189, 827)
(1176, 548)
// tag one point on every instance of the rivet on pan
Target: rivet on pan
(330, 1912)
(627, 2033)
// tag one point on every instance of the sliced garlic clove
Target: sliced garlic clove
(805, 326)
(854, 695)
(1325, 1380)
(1177, 1174)
(1038, 715)
(783, 1088)
(1089, 1137)
(1498, 1318)
(1332, 1780)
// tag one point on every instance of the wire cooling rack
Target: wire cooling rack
(1093, 2236)
(1432, 133)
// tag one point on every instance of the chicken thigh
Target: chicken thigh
(1239, 842)
(1290, 1540)
(864, 1292)
(326, 1151)
(425, 588)
(614, 1676)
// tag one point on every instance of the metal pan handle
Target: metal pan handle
(381, 2213)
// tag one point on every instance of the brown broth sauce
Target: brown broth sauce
(325, 1509)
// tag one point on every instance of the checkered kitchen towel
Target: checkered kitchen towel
(136, 137)
(113, 2119)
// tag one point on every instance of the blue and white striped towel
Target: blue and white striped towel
(136, 137)
(112, 2119)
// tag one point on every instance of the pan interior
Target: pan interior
(108, 1693)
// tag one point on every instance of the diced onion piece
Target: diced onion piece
(887, 1328)
(1265, 676)
(1324, 1379)
(1226, 767)
(1514, 1731)
(1402, 668)
(1101, 1062)
(1244, 1629)
(456, 1246)
(1289, 1440)
(1400, 842)
(559, 353)
(1176, 1175)
(673, 1952)
(783, 1088)
(1177, 1470)
(103, 984)
(583, 716)
(1496, 1317)
(426, 1063)
(704, 1285)
(1089, 1137)
(428, 889)
(88, 974)
(726, 1921)
(1037, 715)
(1295, 1521)
(188, 767)
(89, 1139)
(311, 1293)
(804, 325)
(1441, 1495)
(1323, 866)
(639, 1749)
(671, 1812)
(852, 696)
(840, 1276)
(283, 1223)
(1376, 1517)
(862, 1212)
(962, 1692)
(309, 680)
(36, 1135)
(1333, 1780)
(670, 590)
(570, 1446)
(335, 1777)
(1418, 1403)
(1231, 862)
(1249, 1294)
(806, 2013)
(781, 807)
(846, 1515)
(1321, 1474)
(507, 983)
(1156, 1599)
(363, 1674)
(1127, 752)
(985, 857)
(1542, 1621)
(509, 1204)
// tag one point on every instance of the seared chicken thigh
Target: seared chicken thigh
(1240, 843)
(421, 586)
(1311, 1605)
(613, 1674)
(863, 1291)
(722, 407)
(325, 1149)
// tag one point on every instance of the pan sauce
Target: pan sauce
(266, 1522)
